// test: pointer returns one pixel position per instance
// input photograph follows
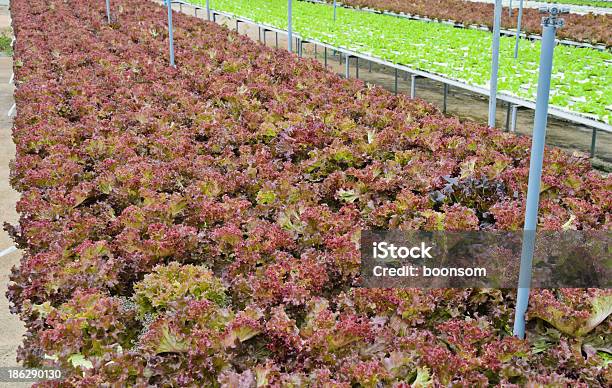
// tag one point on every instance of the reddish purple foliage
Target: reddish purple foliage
(197, 225)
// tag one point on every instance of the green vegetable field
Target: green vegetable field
(582, 78)
(591, 3)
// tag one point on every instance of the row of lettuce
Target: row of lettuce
(581, 77)
(590, 28)
(197, 225)
(588, 3)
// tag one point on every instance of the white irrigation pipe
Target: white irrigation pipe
(8, 251)
(11, 111)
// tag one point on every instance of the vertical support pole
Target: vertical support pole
(108, 16)
(259, 34)
(264, 37)
(510, 9)
(325, 56)
(369, 66)
(289, 26)
(335, 10)
(494, 63)
(315, 50)
(395, 87)
(549, 24)
(208, 13)
(445, 104)
(195, 11)
(593, 143)
(276, 38)
(347, 68)
(170, 33)
(237, 23)
(513, 118)
(413, 79)
(180, 7)
(300, 46)
(357, 67)
(518, 29)
(508, 114)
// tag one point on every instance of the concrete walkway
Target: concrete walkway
(12, 329)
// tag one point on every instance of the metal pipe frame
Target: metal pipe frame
(108, 15)
(513, 117)
(508, 114)
(445, 102)
(335, 6)
(593, 143)
(518, 29)
(170, 34)
(325, 56)
(395, 87)
(289, 26)
(538, 141)
(347, 69)
(494, 62)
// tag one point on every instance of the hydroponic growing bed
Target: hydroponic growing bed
(582, 28)
(591, 3)
(196, 226)
(581, 78)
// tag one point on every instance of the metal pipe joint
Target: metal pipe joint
(552, 19)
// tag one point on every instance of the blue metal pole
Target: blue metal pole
(518, 29)
(550, 25)
(108, 11)
(335, 5)
(495, 62)
(289, 28)
(208, 9)
(510, 9)
(170, 33)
